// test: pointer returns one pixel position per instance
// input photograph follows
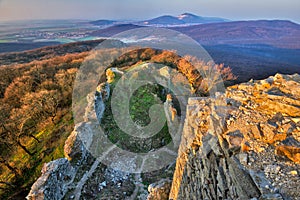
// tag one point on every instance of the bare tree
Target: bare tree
(4, 162)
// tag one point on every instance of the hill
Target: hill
(103, 22)
(278, 33)
(195, 19)
(184, 19)
(164, 20)
(47, 52)
(113, 30)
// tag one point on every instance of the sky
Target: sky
(145, 9)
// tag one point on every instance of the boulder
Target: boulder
(159, 190)
(289, 148)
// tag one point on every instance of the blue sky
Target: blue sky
(143, 9)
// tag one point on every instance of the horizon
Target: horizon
(137, 20)
(132, 10)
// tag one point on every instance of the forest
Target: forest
(35, 106)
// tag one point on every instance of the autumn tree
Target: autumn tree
(17, 89)
(212, 75)
(65, 79)
(16, 126)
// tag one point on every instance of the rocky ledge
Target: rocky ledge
(243, 144)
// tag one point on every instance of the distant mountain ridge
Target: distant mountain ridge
(278, 33)
(183, 19)
(163, 20)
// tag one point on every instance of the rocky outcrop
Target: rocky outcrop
(243, 144)
(208, 167)
(159, 190)
(56, 175)
(65, 178)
